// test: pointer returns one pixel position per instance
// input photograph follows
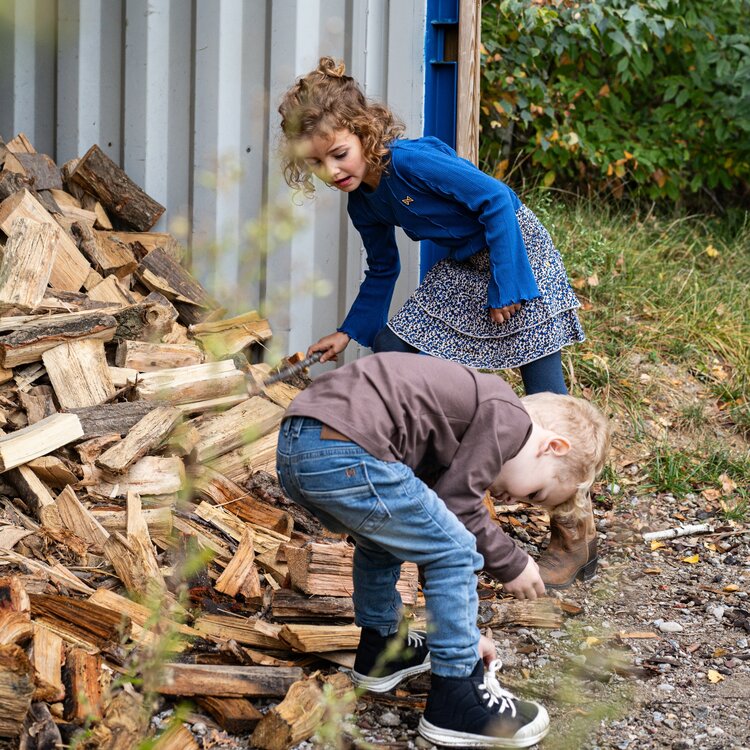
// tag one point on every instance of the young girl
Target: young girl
(500, 299)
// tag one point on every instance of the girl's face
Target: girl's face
(337, 160)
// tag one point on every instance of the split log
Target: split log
(236, 427)
(539, 613)
(160, 272)
(92, 204)
(121, 197)
(83, 689)
(47, 658)
(12, 182)
(233, 498)
(142, 616)
(325, 568)
(244, 630)
(109, 419)
(40, 169)
(158, 520)
(70, 268)
(79, 373)
(28, 257)
(54, 471)
(16, 689)
(133, 558)
(81, 622)
(227, 681)
(203, 538)
(15, 627)
(233, 715)
(223, 338)
(29, 341)
(11, 535)
(146, 356)
(57, 572)
(263, 539)
(147, 320)
(39, 439)
(147, 434)
(241, 575)
(152, 475)
(179, 385)
(79, 519)
(142, 243)
(213, 404)
(176, 737)
(13, 594)
(111, 290)
(300, 713)
(89, 450)
(123, 377)
(241, 463)
(35, 492)
(106, 257)
(289, 605)
(317, 639)
(124, 724)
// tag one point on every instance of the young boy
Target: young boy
(397, 450)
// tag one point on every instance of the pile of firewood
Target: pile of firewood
(136, 436)
(130, 442)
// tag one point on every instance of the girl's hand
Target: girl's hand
(330, 345)
(501, 314)
(487, 650)
(528, 584)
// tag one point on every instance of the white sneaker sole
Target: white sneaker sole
(533, 733)
(384, 684)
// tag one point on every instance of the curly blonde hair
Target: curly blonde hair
(326, 100)
(588, 432)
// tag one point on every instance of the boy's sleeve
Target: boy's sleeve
(434, 170)
(491, 438)
(369, 311)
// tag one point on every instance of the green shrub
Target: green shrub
(651, 97)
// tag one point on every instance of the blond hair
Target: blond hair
(326, 100)
(586, 429)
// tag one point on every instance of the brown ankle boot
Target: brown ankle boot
(571, 552)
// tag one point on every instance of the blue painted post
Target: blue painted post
(440, 96)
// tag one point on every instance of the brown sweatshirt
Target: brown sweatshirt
(453, 426)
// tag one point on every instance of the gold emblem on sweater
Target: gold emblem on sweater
(406, 201)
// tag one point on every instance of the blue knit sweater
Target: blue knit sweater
(433, 194)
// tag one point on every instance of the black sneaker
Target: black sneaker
(383, 661)
(477, 712)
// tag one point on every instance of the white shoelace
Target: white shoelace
(496, 693)
(414, 638)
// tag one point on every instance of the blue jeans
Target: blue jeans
(393, 517)
(545, 374)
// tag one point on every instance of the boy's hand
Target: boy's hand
(528, 584)
(330, 345)
(487, 650)
(501, 314)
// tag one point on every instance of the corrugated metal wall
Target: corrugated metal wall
(183, 94)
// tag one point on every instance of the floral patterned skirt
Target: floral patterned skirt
(446, 315)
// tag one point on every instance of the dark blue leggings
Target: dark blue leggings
(545, 374)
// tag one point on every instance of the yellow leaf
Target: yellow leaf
(731, 587)
(501, 169)
(712, 252)
(727, 484)
(549, 178)
(719, 652)
(604, 90)
(693, 559)
(656, 544)
(591, 640)
(714, 676)
(628, 155)
(710, 546)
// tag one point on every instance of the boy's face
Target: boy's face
(532, 475)
(336, 159)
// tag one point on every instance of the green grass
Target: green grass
(665, 300)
